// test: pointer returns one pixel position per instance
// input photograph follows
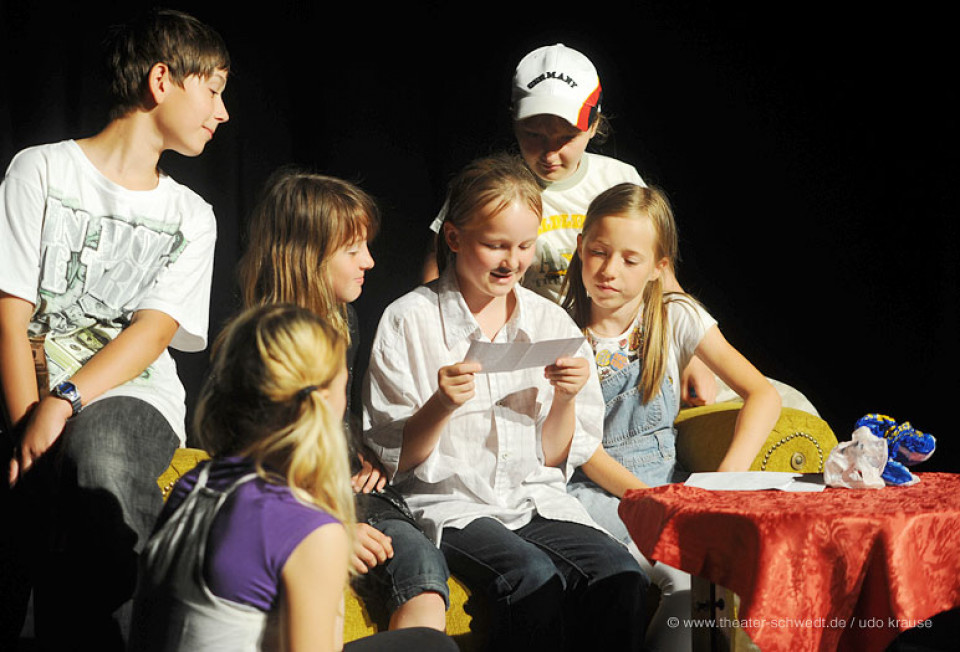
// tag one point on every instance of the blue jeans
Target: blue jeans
(417, 565)
(92, 501)
(550, 585)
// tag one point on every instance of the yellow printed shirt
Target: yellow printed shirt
(564, 210)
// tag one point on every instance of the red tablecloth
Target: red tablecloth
(842, 568)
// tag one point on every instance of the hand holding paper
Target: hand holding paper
(456, 385)
(520, 355)
(568, 376)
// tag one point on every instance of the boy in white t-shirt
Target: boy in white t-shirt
(107, 262)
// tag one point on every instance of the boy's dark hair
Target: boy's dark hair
(186, 45)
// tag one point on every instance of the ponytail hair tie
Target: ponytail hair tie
(306, 391)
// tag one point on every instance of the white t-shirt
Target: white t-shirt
(489, 460)
(564, 209)
(89, 253)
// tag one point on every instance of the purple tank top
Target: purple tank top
(253, 534)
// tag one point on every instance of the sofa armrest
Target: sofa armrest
(799, 442)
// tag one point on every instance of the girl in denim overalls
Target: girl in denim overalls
(642, 339)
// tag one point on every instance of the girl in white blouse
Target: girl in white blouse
(483, 458)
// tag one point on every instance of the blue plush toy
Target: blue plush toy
(906, 446)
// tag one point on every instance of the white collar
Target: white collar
(458, 323)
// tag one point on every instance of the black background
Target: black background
(810, 153)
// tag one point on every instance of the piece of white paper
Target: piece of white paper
(755, 481)
(510, 356)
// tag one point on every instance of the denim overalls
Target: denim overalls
(641, 437)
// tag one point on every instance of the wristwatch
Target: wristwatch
(68, 392)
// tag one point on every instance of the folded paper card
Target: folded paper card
(755, 481)
(496, 357)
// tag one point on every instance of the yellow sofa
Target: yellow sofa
(800, 442)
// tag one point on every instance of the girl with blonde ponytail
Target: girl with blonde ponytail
(252, 549)
(642, 338)
(276, 395)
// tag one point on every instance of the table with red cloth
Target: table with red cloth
(841, 568)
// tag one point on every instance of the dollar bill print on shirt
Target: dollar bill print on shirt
(94, 273)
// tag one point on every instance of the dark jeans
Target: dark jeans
(550, 585)
(417, 565)
(83, 513)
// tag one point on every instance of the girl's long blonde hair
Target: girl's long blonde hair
(301, 219)
(499, 178)
(262, 400)
(636, 202)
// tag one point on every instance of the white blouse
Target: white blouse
(489, 459)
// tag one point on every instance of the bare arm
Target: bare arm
(314, 579)
(761, 403)
(133, 350)
(610, 474)
(697, 383)
(422, 430)
(17, 376)
(568, 376)
(124, 358)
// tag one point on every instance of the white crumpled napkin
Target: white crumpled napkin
(857, 464)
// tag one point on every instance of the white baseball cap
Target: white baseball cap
(557, 80)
